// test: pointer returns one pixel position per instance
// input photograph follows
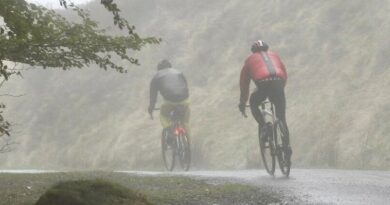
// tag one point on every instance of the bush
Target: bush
(91, 192)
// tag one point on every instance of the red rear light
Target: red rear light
(177, 131)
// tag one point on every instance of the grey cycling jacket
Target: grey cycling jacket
(172, 85)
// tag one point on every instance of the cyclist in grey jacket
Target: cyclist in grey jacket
(173, 87)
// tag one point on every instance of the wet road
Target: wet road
(310, 186)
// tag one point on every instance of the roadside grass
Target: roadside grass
(26, 189)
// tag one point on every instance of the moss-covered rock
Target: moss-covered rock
(91, 192)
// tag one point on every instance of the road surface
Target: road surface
(310, 186)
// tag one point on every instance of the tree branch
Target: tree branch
(7, 146)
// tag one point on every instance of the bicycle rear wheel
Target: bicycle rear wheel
(184, 151)
(267, 148)
(281, 144)
(168, 151)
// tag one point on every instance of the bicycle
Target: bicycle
(273, 144)
(175, 142)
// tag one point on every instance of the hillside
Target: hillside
(336, 53)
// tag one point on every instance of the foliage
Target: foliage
(37, 36)
(4, 125)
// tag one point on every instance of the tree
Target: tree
(37, 36)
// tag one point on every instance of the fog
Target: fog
(338, 103)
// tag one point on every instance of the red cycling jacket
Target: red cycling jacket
(260, 66)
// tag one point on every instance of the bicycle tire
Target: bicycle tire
(284, 161)
(184, 152)
(168, 153)
(267, 150)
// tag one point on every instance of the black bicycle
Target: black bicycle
(273, 143)
(175, 143)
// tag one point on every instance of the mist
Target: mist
(338, 103)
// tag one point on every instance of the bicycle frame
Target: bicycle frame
(270, 111)
(181, 149)
(276, 150)
(279, 149)
(177, 126)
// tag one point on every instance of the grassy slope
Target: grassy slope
(336, 54)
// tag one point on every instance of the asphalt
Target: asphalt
(310, 186)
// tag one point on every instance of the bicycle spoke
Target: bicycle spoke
(284, 162)
(168, 153)
(267, 152)
(185, 153)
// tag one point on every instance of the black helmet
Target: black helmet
(259, 46)
(164, 64)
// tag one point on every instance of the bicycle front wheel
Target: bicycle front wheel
(282, 147)
(184, 151)
(267, 149)
(168, 151)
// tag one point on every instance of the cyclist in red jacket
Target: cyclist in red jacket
(267, 71)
